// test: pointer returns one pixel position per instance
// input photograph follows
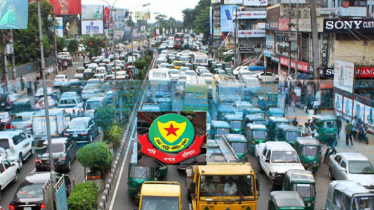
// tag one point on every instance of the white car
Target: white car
(246, 72)
(267, 77)
(238, 69)
(9, 173)
(208, 77)
(16, 146)
(174, 74)
(60, 80)
(78, 76)
(230, 52)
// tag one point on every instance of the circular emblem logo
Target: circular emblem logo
(171, 133)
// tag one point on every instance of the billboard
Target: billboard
(92, 27)
(59, 27)
(14, 14)
(233, 2)
(66, 7)
(92, 12)
(119, 14)
(347, 108)
(171, 137)
(251, 14)
(127, 33)
(255, 3)
(344, 75)
(338, 102)
(227, 24)
(358, 109)
(251, 33)
(142, 15)
(71, 26)
(107, 18)
(348, 25)
(119, 25)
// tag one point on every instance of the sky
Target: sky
(169, 8)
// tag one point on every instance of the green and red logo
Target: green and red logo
(172, 139)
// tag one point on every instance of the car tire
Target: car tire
(15, 180)
(330, 174)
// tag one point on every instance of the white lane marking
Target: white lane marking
(120, 174)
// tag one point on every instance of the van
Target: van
(16, 145)
(68, 101)
(92, 104)
(59, 120)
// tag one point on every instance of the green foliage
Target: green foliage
(191, 15)
(73, 46)
(114, 134)
(94, 155)
(104, 116)
(141, 74)
(86, 191)
(148, 60)
(139, 64)
(96, 44)
(201, 24)
(60, 43)
(148, 53)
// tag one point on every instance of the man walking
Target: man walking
(348, 133)
(29, 88)
(36, 82)
(338, 126)
(294, 100)
(22, 83)
(286, 103)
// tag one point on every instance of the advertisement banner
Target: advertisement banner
(344, 75)
(171, 137)
(14, 14)
(227, 24)
(338, 103)
(107, 18)
(273, 25)
(92, 12)
(369, 115)
(302, 66)
(59, 27)
(71, 26)
(358, 109)
(251, 33)
(142, 15)
(127, 33)
(365, 72)
(283, 25)
(67, 7)
(255, 3)
(119, 15)
(251, 14)
(119, 25)
(92, 27)
(347, 108)
(233, 1)
(348, 25)
(158, 31)
(215, 1)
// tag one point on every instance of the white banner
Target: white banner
(358, 109)
(92, 12)
(255, 3)
(344, 75)
(158, 31)
(92, 27)
(59, 27)
(233, 1)
(347, 108)
(338, 102)
(251, 33)
(251, 14)
(369, 115)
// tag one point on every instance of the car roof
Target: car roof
(37, 177)
(279, 146)
(233, 117)
(9, 134)
(300, 175)
(278, 119)
(216, 123)
(307, 140)
(81, 119)
(352, 156)
(347, 187)
(287, 199)
(256, 126)
(325, 117)
(289, 127)
(59, 140)
(236, 137)
(255, 117)
(96, 98)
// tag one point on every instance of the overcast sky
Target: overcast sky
(169, 8)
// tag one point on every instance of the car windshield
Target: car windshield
(178, 64)
(360, 167)
(160, 202)
(21, 118)
(78, 125)
(30, 191)
(201, 60)
(284, 157)
(329, 124)
(259, 122)
(68, 101)
(310, 150)
(236, 124)
(239, 147)
(92, 105)
(58, 147)
(363, 203)
(305, 190)
(140, 172)
(259, 134)
(292, 135)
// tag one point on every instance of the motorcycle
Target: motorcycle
(362, 137)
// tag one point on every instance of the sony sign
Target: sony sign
(348, 25)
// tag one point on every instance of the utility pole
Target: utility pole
(5, 73)
(51, 165)
(235, 31)
(315, 49)
(297, 39)
(55, 50)
(13, 62)
(289, 40)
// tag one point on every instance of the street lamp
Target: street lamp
(143, 5)
(235, 13)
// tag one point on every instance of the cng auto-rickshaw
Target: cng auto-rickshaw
(88, 74)
(324, 128)
(272, 99)
(238, 143)
(310, 152)
(348, 195)
(219, 128)
(79, 70)
(272, 124)
(236, 123)
(255, 134)
(254, 119)
(284, 200)
(224, 109)
(301, 181)
(276, 112)
(287, 133)
(254, 110)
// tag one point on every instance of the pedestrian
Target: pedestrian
(36, 83)
(60, 65)
(22, 83)
(66, 64)
(286, 103)
(338, 126)
(294, 100)
(348, 133)
(37, 75)
(310, 101)
(29, 88)
(354, 129)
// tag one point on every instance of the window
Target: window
(264, 152)
(6, 164)
(338, 159)
(16, 139)
(360, 167)
(268, 155)
(343, 164)
(305, 190)
(338, 198)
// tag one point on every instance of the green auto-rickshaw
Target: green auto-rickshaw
(254, 110)
(224, 109)
(236, 123)
(219, 128)
(272, 99)
(238, 143)
(287, 133)
(276, 112)
(325, 127)
(254, 119)
(255, 134)
(310, 152)
(283, 200)
(301, 181)
(272, 124)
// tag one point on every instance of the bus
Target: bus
(199, 58)
(159, 83)
(178, 41)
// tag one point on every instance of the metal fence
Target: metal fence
(27, 68)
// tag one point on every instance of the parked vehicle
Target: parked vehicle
(92, 104)
(273, 123)
(50, 92)
(255, 134)
(59, 120)
(236, 123)
(301, 181)
(310, 152)
(64, 152)
(267, 77)
(276, 112)
(325, 129)
(160, 194)
(254, 110)
(23, 121)
(282, 200)
(83, 130)
(60, 80)
(90, 91)
(238, 143)
(219, 128)
(254, 119)
(15, 146)
(6, 118)
(287, 133)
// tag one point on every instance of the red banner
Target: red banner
(365, 72)
(283, 25)
(302, 66)
(66, 7)
(150, 150)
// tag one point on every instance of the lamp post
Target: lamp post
(235, 13)
(143, 5)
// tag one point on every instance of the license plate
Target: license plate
(75, 135)
(27, 208)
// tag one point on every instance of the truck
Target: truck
(160, 195)
(59, 121)
(274, 159)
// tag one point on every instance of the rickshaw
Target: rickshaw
(254, 110)
(254, 119)
(21, 105)
(272, 99)
(238, 143)
(224, 109)
(272, 124)
(219, 128)
(287, 133)
(236, 123)
(283, 200)
(79, 70)
(301, 181)
(310, 152)
(241, 106)
(348, 195)
(324, 128)
(276, 112)
(88, 74)
(255, 134)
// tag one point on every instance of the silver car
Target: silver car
(352, 166)
(23, 121)
(90, 91)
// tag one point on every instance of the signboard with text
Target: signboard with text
(255, 2)
(227, 24)
(348, 25)
(251, 14)
(233, 1)
(302, 66)
(365, 72)
(251, 33)
(92, 27)
(92, 12)
(344, 75)
(283, 25)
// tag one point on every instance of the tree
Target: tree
(95, 156)
(104, 117)
(202, 23)
(94, 44)
(190, 15)
(73, 46)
